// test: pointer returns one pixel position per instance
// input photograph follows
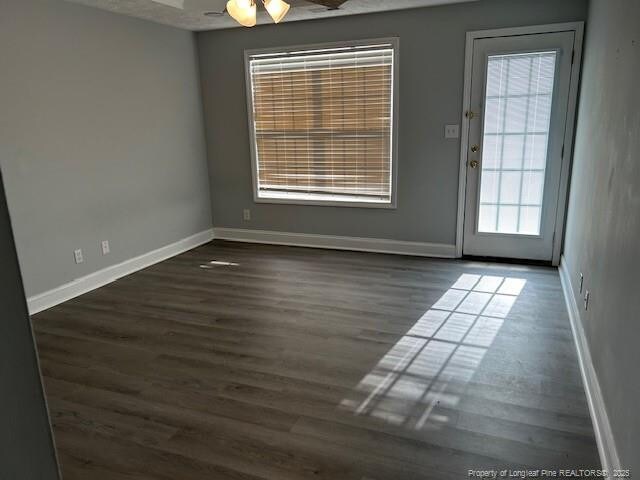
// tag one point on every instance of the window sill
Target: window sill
(321, 200)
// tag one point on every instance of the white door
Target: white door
(518, 113)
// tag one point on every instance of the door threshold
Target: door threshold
(519, 261)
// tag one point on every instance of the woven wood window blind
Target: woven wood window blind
(322, 123)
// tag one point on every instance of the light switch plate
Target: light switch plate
(452, 131)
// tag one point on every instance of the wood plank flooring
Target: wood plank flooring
(281, 363)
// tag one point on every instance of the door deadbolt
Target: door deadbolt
(474, 163)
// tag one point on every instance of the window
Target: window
(518, 101)
(322, 124)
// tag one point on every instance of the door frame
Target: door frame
(578, 29)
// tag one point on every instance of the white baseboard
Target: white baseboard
(600, 419)
(377, 245)
(58, 295)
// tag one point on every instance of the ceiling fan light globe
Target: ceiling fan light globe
(242, 11)
(277, 9)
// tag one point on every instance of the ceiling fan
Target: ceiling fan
(243, 11)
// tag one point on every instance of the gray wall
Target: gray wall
(432, 42)
(26, 447)
(101, 137)
(603, 225)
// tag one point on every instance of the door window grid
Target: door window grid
(517, 116)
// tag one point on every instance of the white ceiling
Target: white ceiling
(192, 16)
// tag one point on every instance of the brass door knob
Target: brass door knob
(475, 148)
(474, 163)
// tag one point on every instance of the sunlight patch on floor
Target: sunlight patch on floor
(426, 371)
(220, 263)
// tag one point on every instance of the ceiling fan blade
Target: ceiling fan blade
(171, 3)
(201, 6)
(196, 6)
(330, 4)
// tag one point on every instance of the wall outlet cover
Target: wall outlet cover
(246, 214)
(105, 247)
(77, 254)
(452, 131)
(581, 282)
(586, 300)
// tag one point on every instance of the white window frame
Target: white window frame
(331, 200)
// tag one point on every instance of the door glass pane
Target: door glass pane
(517, 115)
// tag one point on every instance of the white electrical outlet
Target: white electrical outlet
(451, 131)
(105, 247)
(581, 282)
(586, 300)
(77, 254)
(246, 214)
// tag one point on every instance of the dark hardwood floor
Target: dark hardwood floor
(289, 363)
